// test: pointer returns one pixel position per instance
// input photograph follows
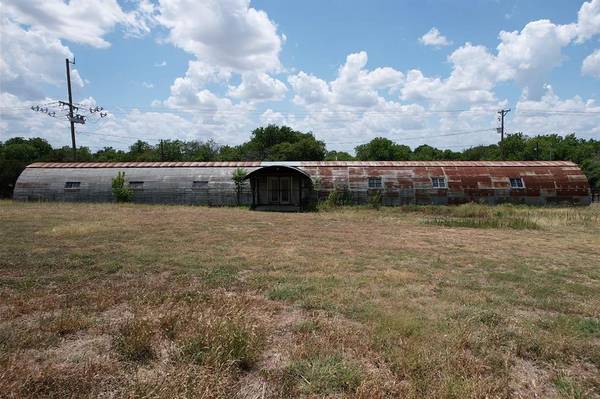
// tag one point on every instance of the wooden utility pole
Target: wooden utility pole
(501, 114)
(71, 119)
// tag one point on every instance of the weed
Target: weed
(223, 343)
(134, 340)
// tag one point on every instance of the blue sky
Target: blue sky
(347, 71)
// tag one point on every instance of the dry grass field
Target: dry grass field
(105, 300)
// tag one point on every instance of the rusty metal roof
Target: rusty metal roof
(141, 164)
(250, 164)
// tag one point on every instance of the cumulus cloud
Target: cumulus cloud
(529, 55)
(551, 114)
(33, 33)
(229, 37)
(591, 65)
(228, 34)
(30, 59)
(258, 86)
(354, 86)
(308, 89)
(434, 38)
(588, 20)
(84, 21)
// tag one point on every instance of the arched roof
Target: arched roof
(276, 167)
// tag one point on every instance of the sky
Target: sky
(414, 71)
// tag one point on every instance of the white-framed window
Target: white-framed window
(199, 184)
(374, 182)
(72, 185)
(438, 182)
(516, 182)
(136, 185)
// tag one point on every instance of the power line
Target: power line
(73, 114)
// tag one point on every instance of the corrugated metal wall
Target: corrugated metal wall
(402, 182)
(160, 185)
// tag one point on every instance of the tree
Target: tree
(338, 156)
(281, 143)
(591, 168)
(382, 149)
(239, 179)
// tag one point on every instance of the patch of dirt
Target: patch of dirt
(530, 381)
(276, 357)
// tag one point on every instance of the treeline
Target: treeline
(281, 143)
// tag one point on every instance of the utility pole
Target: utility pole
(162, 151)
(71, 119)
(75, 113)
(501, 114)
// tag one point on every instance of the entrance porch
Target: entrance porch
(280, 188)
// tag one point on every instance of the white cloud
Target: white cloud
(474, 75)
(31, 59)
(529, 55)
(83, 21)
(147, 85)
(227, 34)
(229, 37)
(33, 32)
(308, 89)
(588, 20)
(258, 86)
(591, 65)
(434, 38)
(354, 86)
(551, 114)
(160, 64)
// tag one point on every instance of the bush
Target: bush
(121, 193)
(375, 200)
(338, 197)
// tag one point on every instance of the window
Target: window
(136, 185)
(72, 185)
(516, 182)
(374, 182)
(199, 184)
(438, 182)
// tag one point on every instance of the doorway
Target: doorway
(280, 189)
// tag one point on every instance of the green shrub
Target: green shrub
(338, 197)
(375, 200)
(239, 179)
(121, 193)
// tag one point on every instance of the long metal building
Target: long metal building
(297, 185)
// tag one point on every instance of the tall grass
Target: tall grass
(509, 216)
(485, 223)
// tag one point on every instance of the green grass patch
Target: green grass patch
(487, 223)
(327, 374)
